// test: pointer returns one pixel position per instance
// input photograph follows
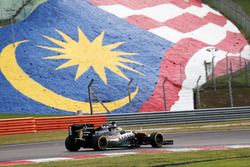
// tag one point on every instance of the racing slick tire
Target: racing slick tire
(100, 143)
(71, 144)
(156, 139)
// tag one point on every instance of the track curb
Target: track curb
(89, 156)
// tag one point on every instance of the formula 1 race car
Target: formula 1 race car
(109, 136)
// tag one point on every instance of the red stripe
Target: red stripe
(140, 4)
(144, 22)
(8, 163)
(233, 42)
(216, 19)
(236, 61)
(213, 147)
(170, 69)
(184, 23)
(187, 3)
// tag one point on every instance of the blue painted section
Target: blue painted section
(66, 16)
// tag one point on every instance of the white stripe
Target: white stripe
(195, 68)
(210, 34)
(201, 11)
(245, 53)
(119, 154)
(161, 13)
(48, 159)
(239, 146)
(118, 10)
(168, 33)
(231, 27)
(183, 149)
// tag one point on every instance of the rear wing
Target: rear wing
(75, 130)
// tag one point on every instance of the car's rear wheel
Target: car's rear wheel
(156, 139)
(100, 143)
(71, 144)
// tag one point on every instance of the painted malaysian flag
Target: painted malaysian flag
(64, 44)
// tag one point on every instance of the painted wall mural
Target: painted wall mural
(63, 45)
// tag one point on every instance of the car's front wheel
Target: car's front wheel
(71, 144)
(156, 139)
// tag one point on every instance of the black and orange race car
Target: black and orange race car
(110, 136)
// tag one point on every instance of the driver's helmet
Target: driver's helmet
(114, 125)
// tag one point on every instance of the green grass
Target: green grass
(220, 97)
(225, 158)
(61, 135)
(238, 79)
(33, 137)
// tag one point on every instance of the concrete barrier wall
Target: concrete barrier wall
(33, 125)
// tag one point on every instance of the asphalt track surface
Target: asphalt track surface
(181, 140)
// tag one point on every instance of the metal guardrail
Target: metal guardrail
(31, 125)
(181, 117)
